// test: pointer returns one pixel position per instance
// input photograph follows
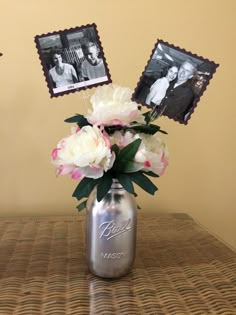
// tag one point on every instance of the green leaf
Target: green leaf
(123, 166)
(144, 182)
(130, 150)
(115, 149)
(147, 116)
(127, 154)
(79, 119)
(82, 205)
(127, 167)
(126, 182)
(104, 185)
(111, 129)
(85, 187)
(148, 129)
(150, 173)
(162, 131)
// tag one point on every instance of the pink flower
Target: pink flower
(152, 154)
(85, 153)
(112, 105)
(54, 153)
(147, 164)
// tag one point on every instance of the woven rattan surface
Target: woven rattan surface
(179, 269)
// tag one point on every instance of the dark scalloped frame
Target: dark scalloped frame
(197, 98)
(45, 69)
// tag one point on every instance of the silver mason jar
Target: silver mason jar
(111, 232)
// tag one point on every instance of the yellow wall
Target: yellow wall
(202, 172)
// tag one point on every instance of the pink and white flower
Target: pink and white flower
(152, 154)
(84, 153)
(90, 152)
(112, 105)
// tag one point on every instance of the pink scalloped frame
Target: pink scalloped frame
(82, 85)
(141, 83)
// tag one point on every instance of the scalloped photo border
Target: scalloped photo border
(182, 99)
(68, 44)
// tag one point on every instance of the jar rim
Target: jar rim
(116, 184)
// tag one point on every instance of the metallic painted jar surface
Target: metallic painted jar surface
(111, 232)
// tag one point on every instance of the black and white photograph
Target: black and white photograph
(173, 82)
(72, 59)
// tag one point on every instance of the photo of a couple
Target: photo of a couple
(72, 59)
(173, 82)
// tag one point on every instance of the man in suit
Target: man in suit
(179, 96)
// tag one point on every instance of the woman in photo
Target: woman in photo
(62, 73)
(159, 87)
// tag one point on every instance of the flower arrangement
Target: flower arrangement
(114, 140)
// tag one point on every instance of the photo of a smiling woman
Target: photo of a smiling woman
(62, 74)
(159, 87)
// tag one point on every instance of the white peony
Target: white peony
(112, 105)
(152, 154)
(85, 153)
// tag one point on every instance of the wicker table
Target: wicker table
(179, 269)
